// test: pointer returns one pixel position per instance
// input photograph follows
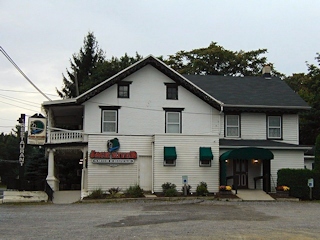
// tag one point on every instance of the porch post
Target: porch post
(51, 179)
(223, 172)
(84, 175)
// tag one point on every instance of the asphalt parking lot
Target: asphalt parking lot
(187, 219)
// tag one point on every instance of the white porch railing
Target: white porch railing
(65, 137)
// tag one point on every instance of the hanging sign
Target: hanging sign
(37, 130)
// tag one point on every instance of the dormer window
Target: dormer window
(124, 89)
(172, 91)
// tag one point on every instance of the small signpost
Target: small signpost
(310, 185)
(185, 182)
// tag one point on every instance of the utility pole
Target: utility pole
(21, 120)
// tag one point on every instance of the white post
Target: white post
(51, 179)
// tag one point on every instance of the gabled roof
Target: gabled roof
(156, 63)
(245, 93)
(221, 92)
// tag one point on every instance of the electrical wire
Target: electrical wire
(22, 73)
(18, 106)
(33, 104)
(9, 90)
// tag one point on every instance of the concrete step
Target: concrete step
(66, 197)
(254, 195)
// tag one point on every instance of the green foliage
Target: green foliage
(308, 87)
(215, 60)
(97, 194)
(36, 166)
(202, 189)
(134, 191)
(114, 192)
(297, 180)
(169, 189)
(188, 189)
(317, 154)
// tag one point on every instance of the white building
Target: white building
(212, 129)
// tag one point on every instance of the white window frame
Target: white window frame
(173, 123)
(115, 121)
(274, 127)
(232, 126)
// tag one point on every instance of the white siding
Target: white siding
(143, 112)
(187, 163)
(253, 126)
(290, 128)
(105, 177)
(285, 159)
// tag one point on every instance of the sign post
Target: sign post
(21, 120)
(185, 182)
(310, 185)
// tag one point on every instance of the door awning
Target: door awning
(170, 153)
(248, 153)
(205, 153)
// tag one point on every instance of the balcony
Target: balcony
(65, 137)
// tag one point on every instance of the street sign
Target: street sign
(310, 182)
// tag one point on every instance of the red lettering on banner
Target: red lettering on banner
(114, 155)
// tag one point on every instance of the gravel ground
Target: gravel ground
(188, 219)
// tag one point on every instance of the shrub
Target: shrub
(188, 189)
(134, 191)
(114, 191)
(97, 194)
(171, 192)
(169, 189)
(202, 189)
(297, 180)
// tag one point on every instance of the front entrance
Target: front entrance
(240, 171)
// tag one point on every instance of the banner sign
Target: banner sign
(37, 130)
(113, 161)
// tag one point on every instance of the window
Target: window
(109, 119)
(124, 89)
(274, 127)
(169, 156)
(173, 120)
(205, 156)
(232, 128)
(172, 91)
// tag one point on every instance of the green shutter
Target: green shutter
(170, 153)
(205, 153)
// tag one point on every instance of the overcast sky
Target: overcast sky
(41, 36)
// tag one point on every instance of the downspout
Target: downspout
(152, 166)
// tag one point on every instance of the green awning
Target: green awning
(205, 153)
(247, 153)
(170, 153)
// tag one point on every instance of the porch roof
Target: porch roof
(248, 153)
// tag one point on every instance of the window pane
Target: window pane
(232, 132)
(232, 120)
(173, 117)
(109, 127)
(172, 92)
(109, 116)
(274, 121)
(123, 91)
(274, 133)
(173, 128)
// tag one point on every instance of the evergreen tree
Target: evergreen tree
(83, 65)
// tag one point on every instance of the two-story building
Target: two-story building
(149, 125)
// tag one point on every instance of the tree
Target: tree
(317, 154)
(83, 66)
(308, 87)
(36, 166)
(215, 60)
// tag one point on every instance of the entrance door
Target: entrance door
(240, 170)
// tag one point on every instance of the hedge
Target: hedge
(297, 180)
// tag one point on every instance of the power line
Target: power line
(22, 73)
(33, 104)
(18, 106)
(9, 90)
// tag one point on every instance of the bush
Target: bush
(114, 191)
(97, 194)
(202, 189)
(134, 191)
(169, 189)
(297, 180)
(188, 189)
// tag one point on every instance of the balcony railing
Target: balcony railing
(65, 137)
